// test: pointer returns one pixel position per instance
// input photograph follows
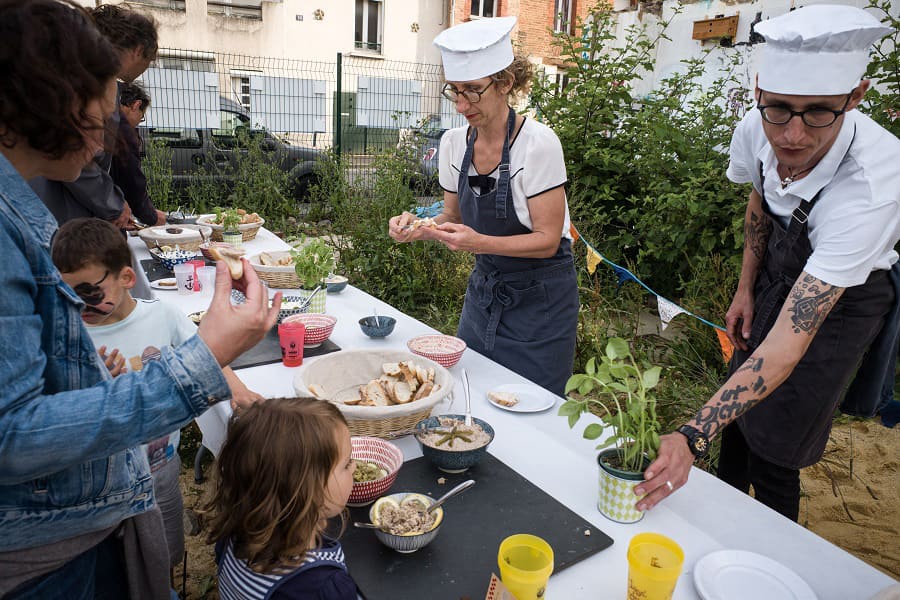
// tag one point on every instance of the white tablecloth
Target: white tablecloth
(704, 516)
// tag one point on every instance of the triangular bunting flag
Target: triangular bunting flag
(667, 311)
(623, 274)
(593, 259)
(574, 233)
(725, 343)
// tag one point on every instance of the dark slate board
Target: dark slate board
(268, 351)
(459, 562)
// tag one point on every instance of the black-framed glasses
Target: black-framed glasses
(452, 94)
(779, 114)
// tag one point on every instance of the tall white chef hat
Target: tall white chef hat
(817, 50)
(476, 49)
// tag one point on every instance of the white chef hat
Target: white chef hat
(817, 50)
(476, 49)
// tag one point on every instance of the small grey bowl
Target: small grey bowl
(453, 461)
(335, 284)
(407, 544)
(382, 327)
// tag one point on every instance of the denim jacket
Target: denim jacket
(69, 434)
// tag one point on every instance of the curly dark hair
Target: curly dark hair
(129, 93)
(53, 62)
(88, 241)
(126, 28)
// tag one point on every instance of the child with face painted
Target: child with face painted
(95, 261)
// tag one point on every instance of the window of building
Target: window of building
(169, 4)
(562, 16)
(240, 88)
(241, 9)
(186, 64)
(484, 8)
(369, 17)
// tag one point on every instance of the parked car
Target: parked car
(425, 145)
(204, 152)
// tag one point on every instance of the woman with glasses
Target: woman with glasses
(503, 177)
(816, 287)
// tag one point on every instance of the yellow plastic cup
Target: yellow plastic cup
(654, 564)
(526, 562)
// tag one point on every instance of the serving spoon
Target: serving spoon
(457, 490)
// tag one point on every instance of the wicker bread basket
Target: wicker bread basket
(341, 373)
(189, 239)
(276, 277)
(248, 230)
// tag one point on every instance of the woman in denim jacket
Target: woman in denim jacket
(71, 471)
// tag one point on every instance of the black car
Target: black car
(423, 145)
(208, 152)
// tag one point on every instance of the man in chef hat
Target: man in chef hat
(819, 234)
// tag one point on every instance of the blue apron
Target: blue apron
(519, 312)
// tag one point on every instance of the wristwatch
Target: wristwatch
(697, 442)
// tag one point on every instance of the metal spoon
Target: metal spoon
(375, 312)
(458, 489)
(305, 304)
(362, 525)
(465, 379)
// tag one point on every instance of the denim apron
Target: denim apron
(519, 312)
(790, 427)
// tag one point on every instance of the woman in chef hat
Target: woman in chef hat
(504, 180)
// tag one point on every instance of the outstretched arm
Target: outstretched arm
(806, 308)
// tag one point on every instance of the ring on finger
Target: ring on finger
(670, 486)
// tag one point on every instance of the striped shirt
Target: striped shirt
(237, 581)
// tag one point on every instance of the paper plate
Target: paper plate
(158, 284)
(532, 398)
(740, 575)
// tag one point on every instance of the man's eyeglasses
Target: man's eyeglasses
(452, 94)
(778, 114)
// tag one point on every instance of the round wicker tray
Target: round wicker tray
(189, 239)
(248, 230)
(341, 373)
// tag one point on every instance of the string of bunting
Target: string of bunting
(668, 310)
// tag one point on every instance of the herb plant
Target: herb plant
(625, 394)
(228, 218)
(313, 261)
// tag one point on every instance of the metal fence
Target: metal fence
(354, 104)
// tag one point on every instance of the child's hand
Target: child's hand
(115, 362)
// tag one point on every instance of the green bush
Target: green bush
(882, 101)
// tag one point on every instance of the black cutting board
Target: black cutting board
(459, 562)
(268, 351)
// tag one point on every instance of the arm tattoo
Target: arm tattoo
(812, 299)
(733, 402)
(756, 234)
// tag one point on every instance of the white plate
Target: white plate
(532, 398)
(740, 575)
(170, 280)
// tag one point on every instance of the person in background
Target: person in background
(269, 523)
(504, 180)
(95, 261)
(134, 42)
(126, 161)
(815, 288)
(78, 519)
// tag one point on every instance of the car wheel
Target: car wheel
(302, 187)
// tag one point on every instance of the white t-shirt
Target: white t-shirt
(855, 224)
(140, 337)
(536, 165)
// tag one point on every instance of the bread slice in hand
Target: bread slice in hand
(232, 259)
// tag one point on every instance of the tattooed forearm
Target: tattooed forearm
(756, 234)
(810, 301)
(733, 400)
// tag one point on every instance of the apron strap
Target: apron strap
(503, 181)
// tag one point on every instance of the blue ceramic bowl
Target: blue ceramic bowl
(290, 307)
(449, 460)
(335, 284)
(173, 257)
(377, 329)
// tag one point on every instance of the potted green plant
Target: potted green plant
(229, 219)
(624, 393)
(313, 262)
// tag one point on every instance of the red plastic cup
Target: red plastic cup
(291, 337)
(197, 264)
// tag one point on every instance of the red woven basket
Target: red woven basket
(445, 350)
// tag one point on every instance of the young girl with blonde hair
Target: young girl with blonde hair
(284, 470)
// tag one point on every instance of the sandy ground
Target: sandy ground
(858, 512)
